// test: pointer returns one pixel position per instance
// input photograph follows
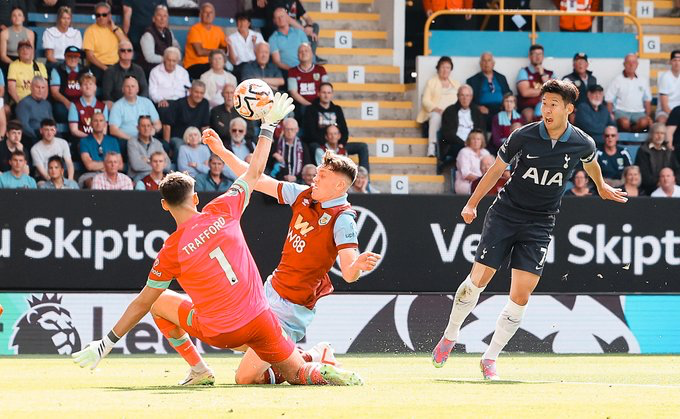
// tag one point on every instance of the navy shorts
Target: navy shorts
(525, 238)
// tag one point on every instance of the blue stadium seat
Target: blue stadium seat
(632, 150)
(633, 138)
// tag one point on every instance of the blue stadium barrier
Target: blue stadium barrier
(516, 44)
(632, 137)
(632, 150)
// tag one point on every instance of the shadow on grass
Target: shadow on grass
(177, 389)
(485, 382)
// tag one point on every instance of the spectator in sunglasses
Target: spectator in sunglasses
(101, 39)
(115, 75)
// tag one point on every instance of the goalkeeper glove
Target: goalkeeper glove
(283, 105)
(95, 351)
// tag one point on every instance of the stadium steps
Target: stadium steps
(382, 84)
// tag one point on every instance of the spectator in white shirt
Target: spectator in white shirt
(667, 187)
(57, 38)
(168, 81)
(669, 89)
(242, 42)
(216, 78)
(629, 98)
(48, 146)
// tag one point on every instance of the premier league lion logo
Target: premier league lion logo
(46, 328)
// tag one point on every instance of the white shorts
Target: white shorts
(294, 318)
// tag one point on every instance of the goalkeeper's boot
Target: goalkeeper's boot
(488, 367)
(323, 352)
(441, 352)
(338, 377)
(204, 378)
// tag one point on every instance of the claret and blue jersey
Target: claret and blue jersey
(542, 166)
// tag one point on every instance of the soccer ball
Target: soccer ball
(253, 99)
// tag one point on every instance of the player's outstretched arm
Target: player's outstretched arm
(352, 263)
(265, 184)
(96, 350)
(283, 105)
(606, 192)
(489, 179)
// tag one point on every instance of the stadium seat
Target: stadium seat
(633, 138)
(632, 150)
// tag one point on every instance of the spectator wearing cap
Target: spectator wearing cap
(576, 23)
(22, 71)
(592, 116)
(156, 39)
(58, 38)
(530, 79)
(168, 81)
(65, 83)
(11, 144)
(32, 109)
(203, 37)
(101, 39)
(16, 177)
(613, 158)
(214, 180)
(137, 16)
(13, 35)
(140, 150)
(48, 146)
(242, 42)
(581, 76)
(669, 89)
(216, 77)
(81, 111)
(629, 98)
(55, 170)
(304, 80)
(112, 85)
(285, 41)
(94, 147)
(263, 68)
(126, 111)
(158, 162)
(488, 86)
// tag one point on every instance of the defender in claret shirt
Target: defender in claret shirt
(322, 229)
(519, 222)
(226, 305)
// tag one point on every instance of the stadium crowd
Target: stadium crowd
(468, 122)
(118, 106)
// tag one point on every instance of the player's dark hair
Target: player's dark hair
(535, 47)
(175, 187)
(443, 60)
(340, 164)
(566, 89)
(58, 159)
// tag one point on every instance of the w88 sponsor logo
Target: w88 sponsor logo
(296, 241)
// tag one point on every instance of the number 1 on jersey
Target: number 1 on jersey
(224, 264)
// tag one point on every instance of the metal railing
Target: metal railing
(533, 13)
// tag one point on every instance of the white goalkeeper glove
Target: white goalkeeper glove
(95, 351)
(283, 105)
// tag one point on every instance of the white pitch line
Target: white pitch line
(669, 386)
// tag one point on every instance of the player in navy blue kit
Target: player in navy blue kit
(519, 222)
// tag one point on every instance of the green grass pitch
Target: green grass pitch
(542, 386)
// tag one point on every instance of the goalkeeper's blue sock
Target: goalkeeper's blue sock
(183, 345)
